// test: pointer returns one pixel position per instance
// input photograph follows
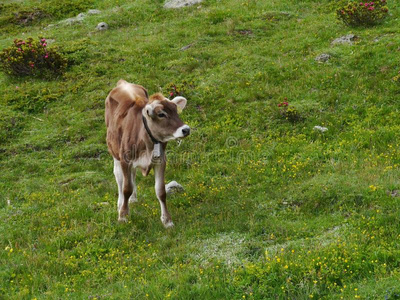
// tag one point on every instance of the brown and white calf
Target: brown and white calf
(137, 125)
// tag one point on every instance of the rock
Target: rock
(102, 26)
(394, 193)
(49, 26)
(70, 21)
(320, 128)
(345, 40)
(93, 12)
(186, 47)
(50, 41)
(180, 3)
(173, 187)
(324, 57)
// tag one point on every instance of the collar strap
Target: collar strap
(153, 139)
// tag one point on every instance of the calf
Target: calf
(138, 129)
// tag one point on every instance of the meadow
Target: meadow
(272, 208)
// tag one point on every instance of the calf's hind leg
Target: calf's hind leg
(133, 197)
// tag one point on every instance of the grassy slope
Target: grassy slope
(271, 209)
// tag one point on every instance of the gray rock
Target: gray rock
(324, 57)
(180, 3)
(186, 47)
(394, 193)
(78, 19)
(102, 26)
(93, 12)
(345, 40)
(49, 26)
(173, 187)
(70, 21)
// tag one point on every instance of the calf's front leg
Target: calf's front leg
(123, 209)
(119, 178)
(159, 170)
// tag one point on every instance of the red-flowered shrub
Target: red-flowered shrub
(289, 113)
(32, 58)
(356, 13)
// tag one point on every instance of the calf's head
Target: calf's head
(162, 117)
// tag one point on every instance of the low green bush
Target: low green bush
(30, 14)
(76, 51)
(13, 13)
(28, 99)
(66, 8)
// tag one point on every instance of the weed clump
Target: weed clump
(397, 77)
(10, 123)
(179, 89)
(32, 58)
(362, 13)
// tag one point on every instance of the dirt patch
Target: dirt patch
(244, 32)
(224, 247)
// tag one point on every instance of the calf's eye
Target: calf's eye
(161, 115)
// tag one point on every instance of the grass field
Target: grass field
(272, 208)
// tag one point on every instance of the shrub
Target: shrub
(12, 14)
(32, 58)
(76, 51)
(7, 17)
(362, 13)
(289, 113)
(66, 8)
(30, 14)
(28, 17)
(29, 99)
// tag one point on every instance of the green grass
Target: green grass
(272, 209)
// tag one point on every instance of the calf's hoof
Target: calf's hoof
(122, 219)
(167, 222)
(133, 199)
(123, 216)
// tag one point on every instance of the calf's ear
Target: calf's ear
(180, 102)
(149, 110)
